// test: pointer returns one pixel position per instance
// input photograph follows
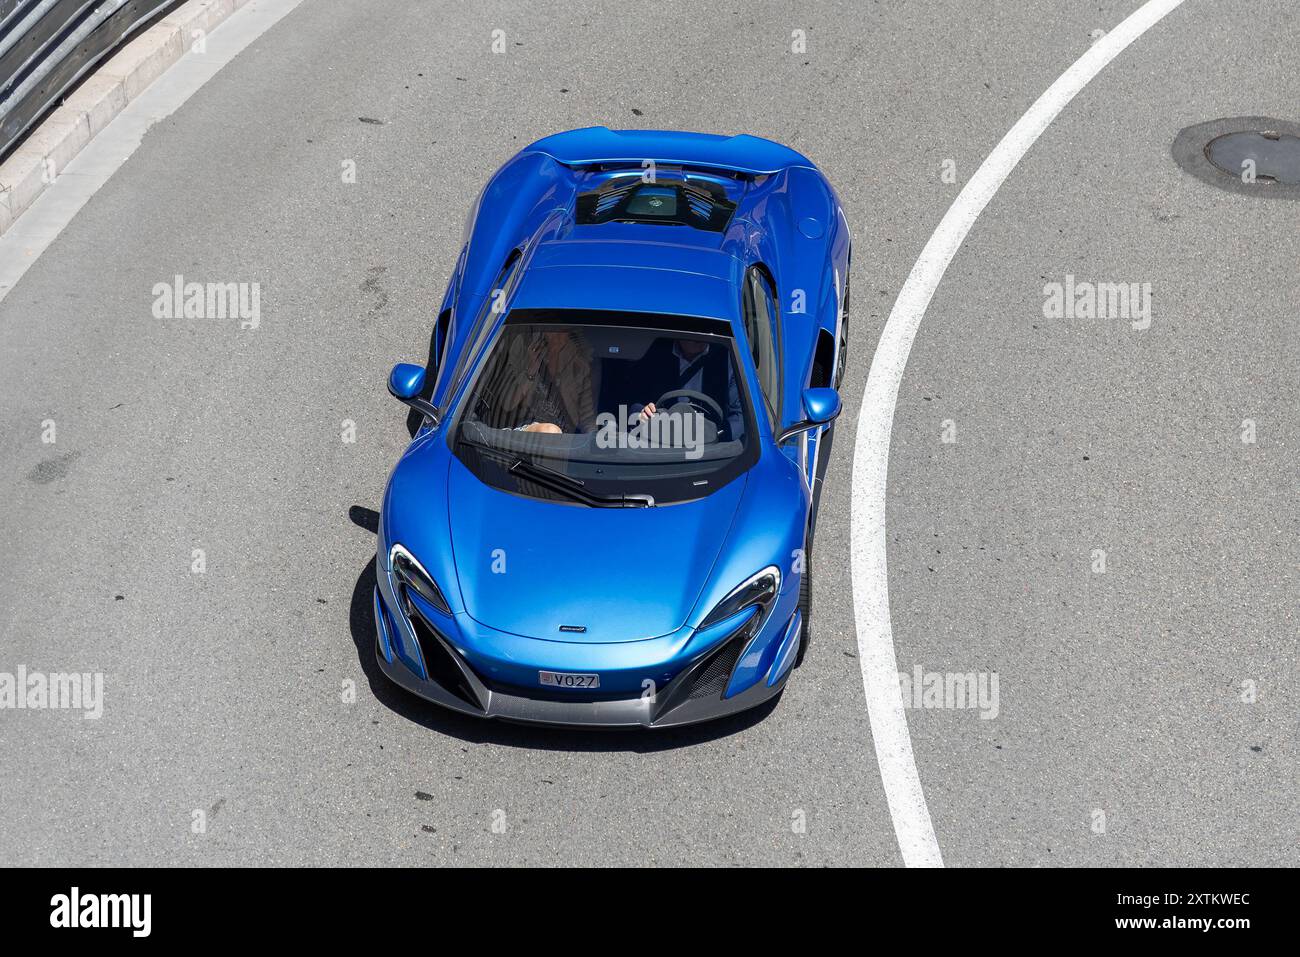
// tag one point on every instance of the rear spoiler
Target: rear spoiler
(598, 145)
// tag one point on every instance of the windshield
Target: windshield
(600, 413)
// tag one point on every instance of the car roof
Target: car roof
(632, 275)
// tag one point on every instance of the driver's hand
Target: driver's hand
(648, 410)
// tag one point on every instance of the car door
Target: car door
(763, 330)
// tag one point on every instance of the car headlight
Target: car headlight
(760, 590)
(410, 574)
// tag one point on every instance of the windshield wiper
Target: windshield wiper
(566, 485)
(576, 488)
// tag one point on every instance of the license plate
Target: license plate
(561, 679)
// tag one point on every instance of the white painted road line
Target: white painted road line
(34, 230)
(902, 784)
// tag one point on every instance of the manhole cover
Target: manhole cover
(1254, 155)
(1271, 155)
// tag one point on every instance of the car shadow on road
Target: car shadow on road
(361, 622)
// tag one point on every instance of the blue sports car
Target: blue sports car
(606, 514)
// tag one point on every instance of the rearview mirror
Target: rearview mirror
(820, 407)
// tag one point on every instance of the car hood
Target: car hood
(529, 567)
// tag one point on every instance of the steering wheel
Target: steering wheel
(697, 400)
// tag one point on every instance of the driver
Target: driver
(698, 366)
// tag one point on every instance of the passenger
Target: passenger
(553, 392)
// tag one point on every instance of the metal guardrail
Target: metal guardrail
(46, 46)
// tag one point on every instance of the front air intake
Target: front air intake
(439, 664)
(712, 679)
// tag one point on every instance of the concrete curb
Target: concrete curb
(99, 98)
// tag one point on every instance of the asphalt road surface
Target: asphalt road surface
(1146, 714)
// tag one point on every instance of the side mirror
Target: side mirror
(820, 407)
(405, 383)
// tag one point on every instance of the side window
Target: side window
(761, 330)
(493, 306)
(436, 364)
